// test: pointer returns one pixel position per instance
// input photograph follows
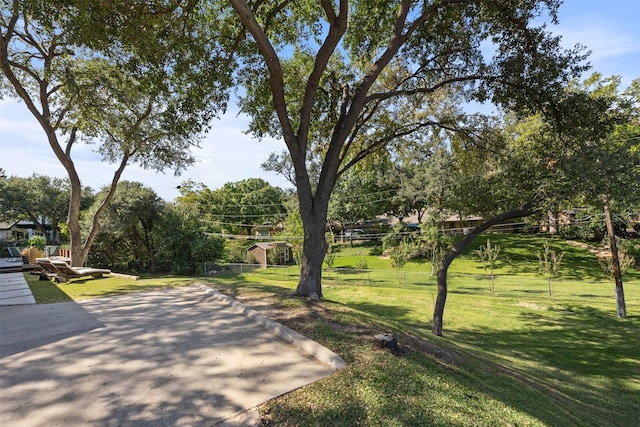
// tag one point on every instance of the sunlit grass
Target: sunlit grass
(517, 357)
(520, 357)
(45, 291)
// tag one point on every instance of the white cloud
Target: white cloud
(604, 43)
(226, 155)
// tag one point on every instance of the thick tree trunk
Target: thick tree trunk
(443, 268)
(78, 251)
(621, 306)
(314, 250)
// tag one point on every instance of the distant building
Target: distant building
(267, 229)
(23, 230)
(265, 253)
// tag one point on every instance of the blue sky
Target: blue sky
(609, 28)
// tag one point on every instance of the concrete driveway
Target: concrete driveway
(173, 357)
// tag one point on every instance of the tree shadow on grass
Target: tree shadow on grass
(45, 291)
(576, 362)
(581, 356)
(468, 290)
(383, 311)
(577, 264)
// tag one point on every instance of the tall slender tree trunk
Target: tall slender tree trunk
(441, 299)
(621, 306)
(452, 254)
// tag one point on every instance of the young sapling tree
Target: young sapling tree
(489, 255)
(549, 261)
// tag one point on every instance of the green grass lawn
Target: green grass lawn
(502, 361)
(45, 291)
(516, 358)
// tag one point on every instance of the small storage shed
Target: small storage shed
(265, 253)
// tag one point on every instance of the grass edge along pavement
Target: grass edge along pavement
(444, 381)
(525, 360)
(503, 360)
(46, 292)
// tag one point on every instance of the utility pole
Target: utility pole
(615, 261)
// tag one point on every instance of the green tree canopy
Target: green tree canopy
(142, 233)
(529, 164)
(126, 232)
(141, 80)
(339, 81)
(40, 199)
(236, 206)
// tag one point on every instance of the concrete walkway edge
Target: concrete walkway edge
(304, 344)
(14, 290)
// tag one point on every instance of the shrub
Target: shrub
(362, 264)
(236, 251)
(38, 242)
(631, 249)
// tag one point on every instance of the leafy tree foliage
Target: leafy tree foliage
(293, 232)
(535, 163)
(141, 79)
(340, 81)
(126, 233)
(236, 207)
(421, 179)
(600, 153)
(140, 232)
(182, 246)
(40, 199)
(358, 195)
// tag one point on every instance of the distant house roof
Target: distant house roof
(269, 245)
(26, 224)
(267, 225)
(456, 217)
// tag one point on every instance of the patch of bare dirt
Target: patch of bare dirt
(600, 252)
(530, 305)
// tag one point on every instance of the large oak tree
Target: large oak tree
(141, 80)
(340, 80)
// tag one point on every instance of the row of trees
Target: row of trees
(139, 231)
(342, 83)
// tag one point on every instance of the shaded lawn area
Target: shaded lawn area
(514, 359)
(502, 361)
